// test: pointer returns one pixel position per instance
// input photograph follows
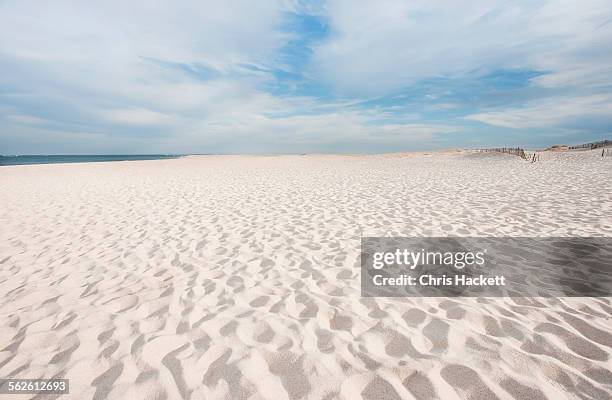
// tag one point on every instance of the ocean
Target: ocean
(60, 159)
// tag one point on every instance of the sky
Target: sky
(137, 77)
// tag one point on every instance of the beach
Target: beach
(237, 277)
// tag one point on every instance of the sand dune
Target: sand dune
(213, 277)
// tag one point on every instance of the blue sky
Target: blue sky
(294, 76)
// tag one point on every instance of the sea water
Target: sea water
(57, 159)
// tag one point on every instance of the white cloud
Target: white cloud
(138, 116)
(104, 49)
(326, 127)
(73, 69)
(554, 112)
(94, 67)
(26, 119)
(206, 32)
(377, 47)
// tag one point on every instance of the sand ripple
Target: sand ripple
(238, 277)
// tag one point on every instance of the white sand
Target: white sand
(238, 277)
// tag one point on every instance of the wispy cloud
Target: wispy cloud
(565, 112)
(138, 116)
(298, 76)
(376, 48)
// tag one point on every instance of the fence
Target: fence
(593, 145)
(533, 157)
(517, 151)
